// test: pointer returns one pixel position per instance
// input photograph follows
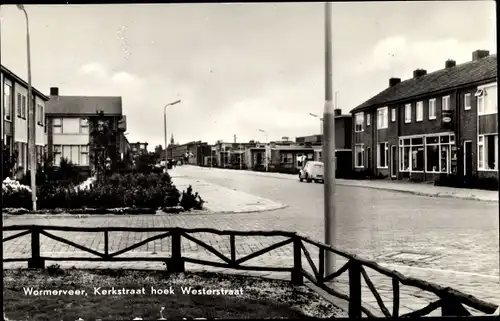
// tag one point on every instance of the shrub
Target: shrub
(453, 180)
(190, 201)
(15, 194)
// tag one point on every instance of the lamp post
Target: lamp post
(329, 145)
(265, 153)
(165, 123)
(320, 122)
(31, 114)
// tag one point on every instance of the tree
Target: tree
(8, 162)
(103, 145)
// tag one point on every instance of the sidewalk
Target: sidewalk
(222, 200)
(393, 185)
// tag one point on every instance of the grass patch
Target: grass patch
(252, 297)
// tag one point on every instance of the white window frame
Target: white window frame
(60, 125)
(386, 151)
(23, 107)
(7, 101)
(480, 94)
(359, 120)
(419, 111)
(284, 159)
(480, 143)
(84, 124)
(408, 113)
(410, 158)
(84, 153)
(368, 119)
(19, 104)
(467, 105)
(432, 102)
(393, 115)
(362, 165)
(40, 117)
(383, 118)
(445, 103)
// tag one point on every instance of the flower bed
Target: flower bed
(129, 193)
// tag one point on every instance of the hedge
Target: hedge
(131, 190)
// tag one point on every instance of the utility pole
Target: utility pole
(329, 145)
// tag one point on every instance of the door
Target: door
(394, 161)
(369, 158)
(468, 158)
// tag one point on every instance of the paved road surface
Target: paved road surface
(448, 241)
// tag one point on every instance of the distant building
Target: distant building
(444, 122)
(14, 92)
(193, 153)
(68, 133)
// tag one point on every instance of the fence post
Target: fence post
(354, 289)
(36, 262)
(297, 277)
(175, 263)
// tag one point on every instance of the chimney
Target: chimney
(450, 63)
(480, 54)
(54, 91)
(338, 112)
(419, 73)
(394, 81)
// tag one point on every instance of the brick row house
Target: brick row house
(68, 132)
(14, 109)
(444, 122)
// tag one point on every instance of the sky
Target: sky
(236, 68)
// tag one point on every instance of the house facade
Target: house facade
(444, 122)
(343, 142)
(14, 109)
(68, 133)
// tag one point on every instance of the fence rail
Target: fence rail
(452, 302)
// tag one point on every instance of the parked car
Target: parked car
(312, 171)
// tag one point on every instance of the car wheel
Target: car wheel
(308, 179)
(300, 178)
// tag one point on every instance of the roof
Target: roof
(84, 105)
(469, 73)
(5, 70)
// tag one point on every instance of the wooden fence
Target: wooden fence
(450, 300)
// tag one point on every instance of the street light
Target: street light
(165, 123)
(31, 114)
(320, 122)
(266, 161)
(329, 145)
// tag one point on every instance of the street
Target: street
(447, 241)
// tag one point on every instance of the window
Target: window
(57, 154)
(393, 115)
(412, 155)
(7, 101)
(488, 152)
(432, 108)
(432, 158)
(23, 110)
(359, 154)
(408, 113)
(19, 105)
(445, 103)
(368, 119)
(287, 158)
(467, 101)
(57, 126)
(358, 122)
(420, 111)
(39, 115)
(382, 154)
(417, 158)
(84, 126)
(487, 100)
(71, 125)
(382, 118)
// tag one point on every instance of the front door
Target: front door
(369, 158)
(468, 158)
(394, 161)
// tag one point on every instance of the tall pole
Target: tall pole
(31, 115)
(329, 144)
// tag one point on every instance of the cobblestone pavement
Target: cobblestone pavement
(448, 241)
